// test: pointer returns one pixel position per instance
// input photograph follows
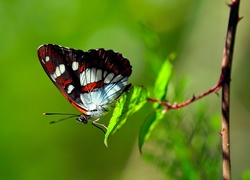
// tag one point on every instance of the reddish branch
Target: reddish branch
(194, 98)
(224, 84)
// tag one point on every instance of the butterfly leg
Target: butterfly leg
(100, 126)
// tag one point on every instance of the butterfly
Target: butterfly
(90, 81)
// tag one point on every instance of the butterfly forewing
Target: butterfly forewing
(55, 62)
(89, 80)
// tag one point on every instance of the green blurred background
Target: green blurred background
(31, 148)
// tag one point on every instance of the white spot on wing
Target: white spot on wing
(57, 72)
(93, 75)
(108, 78)
(70, 88)
(104, 73)
(62, 68)
(98, 75)
(117, 78)
(52, 77)
(83, 80)
(47, 58)
(75, 65)
(88, 75)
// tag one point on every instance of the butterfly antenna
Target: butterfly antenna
(55, 121)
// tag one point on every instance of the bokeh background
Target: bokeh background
(31, 148)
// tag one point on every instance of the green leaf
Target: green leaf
(148, 125)
(161, 83)
(128, 104)
(160, 90)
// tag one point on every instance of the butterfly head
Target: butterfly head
(83, 119)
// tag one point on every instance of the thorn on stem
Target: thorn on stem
(240, 18)
(216, 92)
(193, 98)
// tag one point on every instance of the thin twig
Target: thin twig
(194, 98)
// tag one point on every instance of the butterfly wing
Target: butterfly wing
(88, 80)
(105, 77)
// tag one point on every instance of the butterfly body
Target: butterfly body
(90, 81)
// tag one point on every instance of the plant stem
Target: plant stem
(226, 73)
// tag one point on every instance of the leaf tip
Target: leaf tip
(106, 142)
